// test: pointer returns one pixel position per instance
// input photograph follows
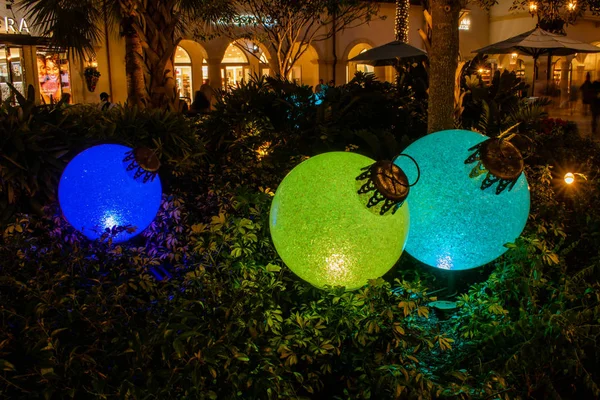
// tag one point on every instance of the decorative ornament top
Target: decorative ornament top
(388, 184)
(500, 159)
(144, 161)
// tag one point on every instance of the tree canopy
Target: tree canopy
(288, 28)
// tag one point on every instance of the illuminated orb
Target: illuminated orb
(96, 192)
(569, 178)
(322, 229)
(454, 224)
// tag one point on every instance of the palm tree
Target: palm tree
(152, 30)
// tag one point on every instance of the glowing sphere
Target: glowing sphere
(322, 229)
(96, 192)
(454, 224)
(569, 178)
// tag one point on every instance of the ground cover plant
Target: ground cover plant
(199, 306)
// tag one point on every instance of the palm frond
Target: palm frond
(71, 25)
(204, 16)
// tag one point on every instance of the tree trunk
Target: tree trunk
(443, 61)
(402, 20)
(137, 94)
(161, 20)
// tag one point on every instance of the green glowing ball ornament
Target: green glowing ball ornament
(323, 230)
(456, 225)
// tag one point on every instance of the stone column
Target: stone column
(214, 72)
(325, 71)
(30, 71)
(579, 75)
(564, 80)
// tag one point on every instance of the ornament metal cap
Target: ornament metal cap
(500, 159)
(144, 161)
(388, 184)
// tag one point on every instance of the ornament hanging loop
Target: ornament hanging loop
(414, 162)
(387, 183)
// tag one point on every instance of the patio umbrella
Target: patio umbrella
(388, 54)
(537, 42)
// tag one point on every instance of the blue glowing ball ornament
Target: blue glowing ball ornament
(323, 230)
(97, 191)
(456, 225)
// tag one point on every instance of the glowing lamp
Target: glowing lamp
(569, 178)
(329, 234)
(110, 185)
(456, 223)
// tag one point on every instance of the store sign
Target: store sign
(242, 20)
(11, 25)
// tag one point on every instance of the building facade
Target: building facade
(25, 58)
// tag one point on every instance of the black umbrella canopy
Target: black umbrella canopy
(538, 42)
(388, 54)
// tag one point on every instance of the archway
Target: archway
(235, 65)
(189, 72)
(183, 74)
(306, 69)
(354, 67)
(591, 64)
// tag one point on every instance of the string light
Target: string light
(571, 6)
(402, 15)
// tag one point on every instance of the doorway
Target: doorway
(11, 71)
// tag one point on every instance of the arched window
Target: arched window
(235, 66)
(183, 74)
(353, 67)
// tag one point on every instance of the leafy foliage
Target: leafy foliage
(490, 108)
(199, 306)
(37, 142)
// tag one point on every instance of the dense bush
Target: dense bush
(37, 142)
(200, 305)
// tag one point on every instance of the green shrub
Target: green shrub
(37, 142)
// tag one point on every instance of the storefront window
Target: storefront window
(183, 74)
(11, 71)
(54, 76)
(236, 66)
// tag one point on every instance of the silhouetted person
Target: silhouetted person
(200, 105)
(105, 104)
(587, 93)
(65, 100)
(207, 90)
(320, 87)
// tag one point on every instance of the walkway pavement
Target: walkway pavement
(575, 114)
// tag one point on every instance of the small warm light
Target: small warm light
(571, 6)
(569, 178)
(532, 7)
(465, 24)
(480, 70)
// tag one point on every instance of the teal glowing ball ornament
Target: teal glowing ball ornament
(110, 185)
(340, 219)
(472, 198)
